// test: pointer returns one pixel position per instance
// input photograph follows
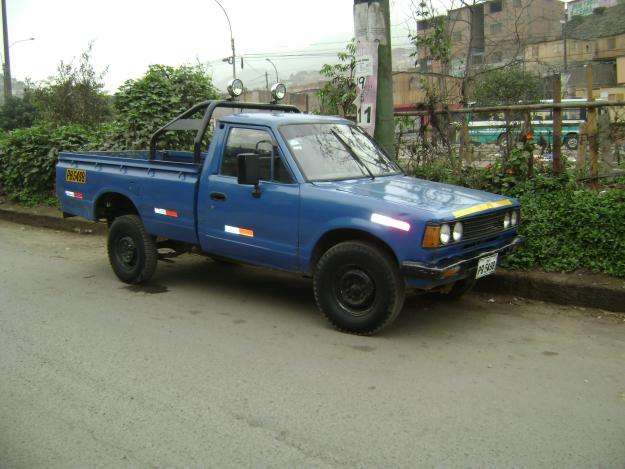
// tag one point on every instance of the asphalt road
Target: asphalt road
(229, 367)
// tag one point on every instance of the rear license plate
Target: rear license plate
(486, 266)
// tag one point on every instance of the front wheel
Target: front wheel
(132, 251)
(358, 287)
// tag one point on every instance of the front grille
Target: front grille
(483, 226)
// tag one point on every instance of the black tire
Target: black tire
(571, 141)
(358, 287)
(132, 251)
(457, 290)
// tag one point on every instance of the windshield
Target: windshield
(327, 152)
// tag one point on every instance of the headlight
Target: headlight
(235, 88)
(278, 91)
(445, 235)
(457, 234)
(514, 218)
(506, 221)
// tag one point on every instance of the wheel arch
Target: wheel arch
(112, 204)
(339, 235)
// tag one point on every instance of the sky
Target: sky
(129, 35)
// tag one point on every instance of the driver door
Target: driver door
(260, 230)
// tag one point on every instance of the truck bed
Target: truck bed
(163, 190)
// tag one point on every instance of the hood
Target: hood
(442, 200)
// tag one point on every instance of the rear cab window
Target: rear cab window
(247, 140)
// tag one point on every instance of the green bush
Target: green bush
(570, 229)
(567, 226)
(28, 156)
(145, 104)
(507, 86)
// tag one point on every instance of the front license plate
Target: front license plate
(486, 266)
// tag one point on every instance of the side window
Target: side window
(253, 141)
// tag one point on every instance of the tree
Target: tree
(507, 86)
(74, 95)
(145, 104)
(17, 113)
(338, 94)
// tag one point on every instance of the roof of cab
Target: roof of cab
(279, 118)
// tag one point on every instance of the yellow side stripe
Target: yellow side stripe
(481, 207)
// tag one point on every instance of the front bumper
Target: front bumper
(455, 268)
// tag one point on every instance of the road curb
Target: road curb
(586, 290)
(31, 217)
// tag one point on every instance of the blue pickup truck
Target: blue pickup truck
(307, 194)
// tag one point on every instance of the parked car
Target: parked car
(312, 195)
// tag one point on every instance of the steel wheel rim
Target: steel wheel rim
(127, 252)
(355, 290)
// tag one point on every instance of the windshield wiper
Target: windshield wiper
(352, 153)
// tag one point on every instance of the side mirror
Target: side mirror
(249, 171)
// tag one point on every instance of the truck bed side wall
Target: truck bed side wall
(163, 194)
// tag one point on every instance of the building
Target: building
(409, 92)
(598, 38)
(491, 33)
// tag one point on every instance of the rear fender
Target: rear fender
(109, 191)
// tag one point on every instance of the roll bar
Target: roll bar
(182, 122)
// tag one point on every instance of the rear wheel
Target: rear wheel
(132, 251)
(358, 287)
(571, 141)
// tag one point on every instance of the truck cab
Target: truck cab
(312, 195)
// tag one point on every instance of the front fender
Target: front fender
(394, 239)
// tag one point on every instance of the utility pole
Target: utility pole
(372, 23)
(234, 57)
(267, 84)
(6, 66)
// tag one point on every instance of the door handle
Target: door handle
(219, 196)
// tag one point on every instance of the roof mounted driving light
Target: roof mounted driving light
(235, 88)
(278, 92)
